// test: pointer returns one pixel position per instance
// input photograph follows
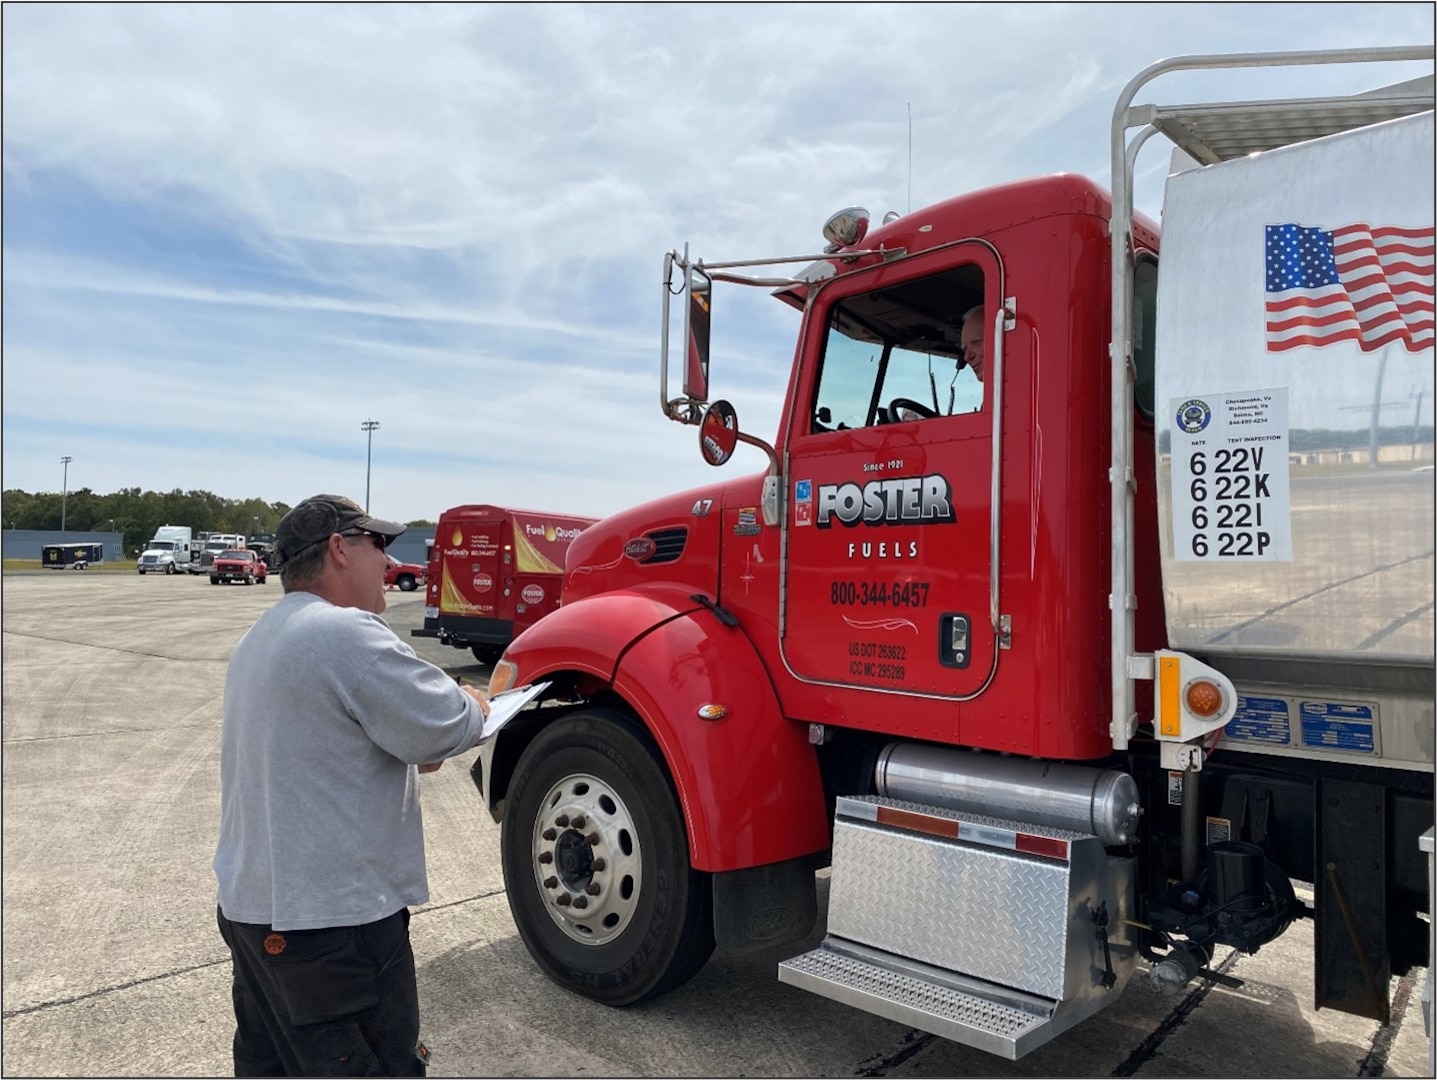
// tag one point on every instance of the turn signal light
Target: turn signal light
(1204, 698)
(502, 678)
(712, 711)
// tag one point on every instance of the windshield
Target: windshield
(162, 545)
(217, 547)
(232, 554)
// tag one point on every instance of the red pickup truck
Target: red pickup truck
(407, 575)
(238, 565)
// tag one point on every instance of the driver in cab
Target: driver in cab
(970, 342)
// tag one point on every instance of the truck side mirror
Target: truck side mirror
(698, 290)
(718, 434)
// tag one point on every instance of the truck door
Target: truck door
(888, 504)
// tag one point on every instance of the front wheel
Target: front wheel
(596, 863)
(214, 580)
(406, 583)
(169, 568)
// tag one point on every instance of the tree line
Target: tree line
(137, 514)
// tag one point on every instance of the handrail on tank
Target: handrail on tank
(1122, 599)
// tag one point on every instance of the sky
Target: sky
(234, 233)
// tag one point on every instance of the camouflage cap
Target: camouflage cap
(321, 516)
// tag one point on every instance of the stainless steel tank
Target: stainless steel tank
(1100, 802)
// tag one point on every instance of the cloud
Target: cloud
(238, 230)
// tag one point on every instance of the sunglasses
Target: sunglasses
(380, 542)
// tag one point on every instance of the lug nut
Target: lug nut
(592, 888)
(563, 900)
(551, 883)
(581, 902)
(562, 821)
(598, 865)
(593, 839)
(546, 856)
(578, 821)
(550, 834)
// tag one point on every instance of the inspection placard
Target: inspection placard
(1230, 478)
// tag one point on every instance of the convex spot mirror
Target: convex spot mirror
(718, 434)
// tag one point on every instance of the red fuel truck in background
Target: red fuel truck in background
(493, 572)
(1083, 605)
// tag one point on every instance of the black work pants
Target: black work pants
(341, 1001)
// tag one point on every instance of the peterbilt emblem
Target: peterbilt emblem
(899, 500)
(640, 548)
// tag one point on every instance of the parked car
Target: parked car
(238, 565)
(407, 575)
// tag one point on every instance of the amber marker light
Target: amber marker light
(712, 711)
(503, 676)
(1204, 698)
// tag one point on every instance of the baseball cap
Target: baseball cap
(319, 517)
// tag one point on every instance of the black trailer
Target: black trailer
(71, 556)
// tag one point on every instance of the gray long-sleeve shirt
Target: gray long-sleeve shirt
(326, 713)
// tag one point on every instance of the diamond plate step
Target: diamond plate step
(912, 993)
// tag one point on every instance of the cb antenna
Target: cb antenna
(910, 157)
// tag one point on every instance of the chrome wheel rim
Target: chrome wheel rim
(586, 859)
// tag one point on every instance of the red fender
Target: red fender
(748, 783)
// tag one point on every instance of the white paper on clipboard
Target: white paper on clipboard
(504, 707)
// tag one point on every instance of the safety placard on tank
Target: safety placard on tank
(1339, 725)
(1230, 479)
(1261, 720)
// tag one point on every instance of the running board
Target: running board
(923, 997)
(992, 933)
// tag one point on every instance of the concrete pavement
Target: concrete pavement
(113, 966)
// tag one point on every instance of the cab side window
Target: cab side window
(895, 355)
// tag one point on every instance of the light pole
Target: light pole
(368, 426)
(256, 526)
(65, 491)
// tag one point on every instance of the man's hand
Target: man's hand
(477, 695)
(431, 766)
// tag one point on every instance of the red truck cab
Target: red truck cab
(941, 640)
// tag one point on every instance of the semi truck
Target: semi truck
(493, 572)
(169, 552)
(1084, 606)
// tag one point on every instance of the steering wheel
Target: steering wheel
(908, 405)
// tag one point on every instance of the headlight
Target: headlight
(504, 676)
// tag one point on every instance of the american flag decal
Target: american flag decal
(1366, 283)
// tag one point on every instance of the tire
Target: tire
(249, 579)
(487, 654)
(141, 573)
(169, 568)
(214, 580)
(406, 583)
(646, 925)
(261, 579)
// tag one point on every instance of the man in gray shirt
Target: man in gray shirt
(327, 714)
